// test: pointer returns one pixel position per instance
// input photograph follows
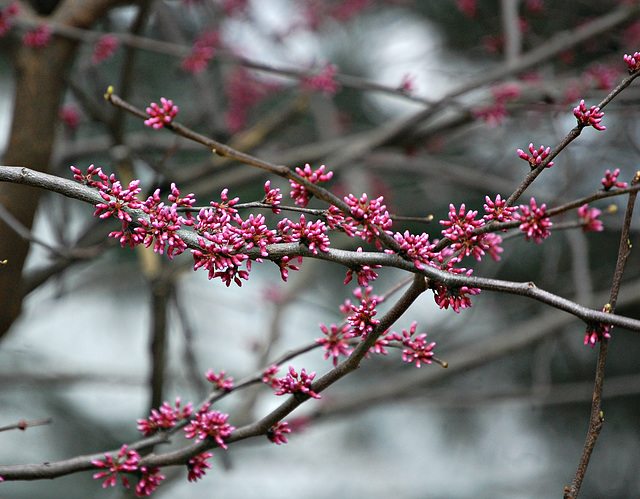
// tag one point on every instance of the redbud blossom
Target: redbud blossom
(299, 192)
(104, 49)
(209, 424)
(197, 466)
(39, 37)
(589, 117)
(294, 383)
(534, 222)
(537, 156)
(335, 343)
(6, 17)
(589, 218)
(497, 210)
(633, 62)
(220, 382)
(276, 433)
(324, 81)
(161, 116)
(456, 298)
(611, 180)
(165, 417)
(149, 481)
(596, 332)
(417, 349)
(126, 460)
(459, 229)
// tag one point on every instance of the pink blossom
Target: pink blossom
(589, 218)
(323, 81)
(459, 229)
(126, 460)
(417, 348)
(491, 243)
(70, 117)
(361, 316)
(149, 482)
(299, 192)
(204, 48)
(161, 116)
(602, 76)
(272, 196)
(611, 180)
(632, 62)
(589, 117)
(269, 378)
(596, 332)
(367, 218)
(209, 424)
(220, 382)
(497, 210)
(7, 15)
(39, 37)
(165, 417)
(335, 341)
(312, 234)
(285, 266)
(197, 466)
(537, 156)
(277, 432)
(534, 222)
(294, 383)
(456, 298)
(364, 273)
(416, 248)
(104, 49)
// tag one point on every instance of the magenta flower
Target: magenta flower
(312, 234)
(269, 378)
(285, 266)
(534, 222)
(204, 48)
(7, 15)
(149, 482)
(161, 116)
(596, 332)
(104, 49)
(294, 383)
(364, 273)
(632, 62)
(537, 156)
(361, 317)
(70, 117)
(589, 117)
(219, 381)
(491, 242)
(417, 348)
(126, 460)
(459, 229)
(165, 417)
(497, 210)
(456, 298)
(611, 180)
(39, 37)
(209, 424)
(299, 192)
(324, 81)
(416, 248)
(589, 218)
(371, 215)
(272, 196)
(276, 433)
(335, 343)
(197, 466)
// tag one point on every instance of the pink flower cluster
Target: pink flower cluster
(454, 297)
(277, 433)
(197, 465)
(632, 62)
(104, 49)
(335, 341)
(204, 48)
(323, 81)
(127, 461)
(611, 180)
(589, 218)
(536, 156)
(596, 332)
(298, 192)
(297, 383)
(417, 348)
(460, 229)
(39, 37)
(161, 116)
(368, 218)
(361, 315)
(589, 117)
(364, 273)
(498, 210)
(7, 15)
(535, 224)
(209, 424)
(165, 417)
(219, 380)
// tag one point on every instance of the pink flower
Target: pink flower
(161, 116)
(371, 215)
(7, 15)
(416, 248)
(209, 424)
(312, 234)
(104, 49)
(361, 317)
(219, 380)
(294, 383)
(269, 378)
(204, 48)
(596, 332)
(364, 273)
(70, 117)
(589, 117)
(272, 196)
(456, 298)
(589, 218)
(299, 192)
(459, 229)
(611, 180)
(39, 37)
(632, 62)
(126, 460)
(324, 81)
(537, 156)
(197, 466)
(534, 222)
(497, 210)
(285, 266)
(335, 343)
(149, 481)
(276, 433)
(417, 348)
(165, 417)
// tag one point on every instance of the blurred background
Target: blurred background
(432, 101)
